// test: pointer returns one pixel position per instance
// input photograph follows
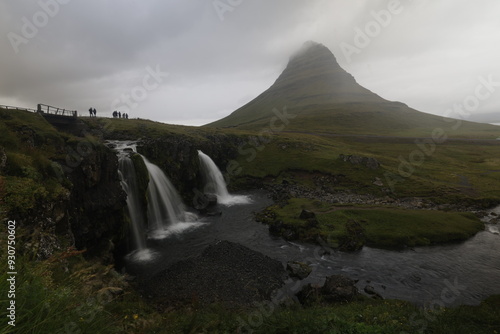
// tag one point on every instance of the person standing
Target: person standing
(90, 112)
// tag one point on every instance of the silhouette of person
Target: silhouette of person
(95, 112)
(90, 112)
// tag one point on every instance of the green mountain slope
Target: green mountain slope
(319, 96)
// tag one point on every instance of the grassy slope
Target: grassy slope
(53, 293)
(30, 143)
(325, 98)
(455, 169)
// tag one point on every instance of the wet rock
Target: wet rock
(309, 294)
(204, 201)
(370, 290)
(298, 269)
(213, 213)
(338, 288)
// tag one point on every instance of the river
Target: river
(450, 275)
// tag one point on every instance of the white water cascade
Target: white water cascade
(129, 185)
(165, 214)
(215, 183)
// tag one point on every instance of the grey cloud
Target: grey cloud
(92, 52)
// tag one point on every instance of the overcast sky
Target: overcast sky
(195, 61)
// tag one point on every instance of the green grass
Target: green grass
(440, 177)
(46, 304)
(383, 227)
(51, 299)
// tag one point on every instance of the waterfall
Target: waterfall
(215, 183)
(165, 214)
(129, 185)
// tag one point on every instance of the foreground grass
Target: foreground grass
(382, 227)
(68, 294)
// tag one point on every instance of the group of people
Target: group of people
(117, 114)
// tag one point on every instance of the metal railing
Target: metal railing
(46, 109)
(16, 108)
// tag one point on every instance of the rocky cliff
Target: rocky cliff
(177, 155)
(63, 191)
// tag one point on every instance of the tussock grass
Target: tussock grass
(383, 227)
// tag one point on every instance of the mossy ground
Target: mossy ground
(384, 227)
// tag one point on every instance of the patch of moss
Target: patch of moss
(382, 227)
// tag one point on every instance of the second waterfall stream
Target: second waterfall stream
(215, 183)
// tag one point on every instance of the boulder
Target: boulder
(378, 182)
(204, 201)
(370, 290)
(298, 269)
(309, 294)
(368, 162)
(338, 288)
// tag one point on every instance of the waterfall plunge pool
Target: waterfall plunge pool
(463, 273)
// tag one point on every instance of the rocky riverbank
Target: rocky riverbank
(322, 192)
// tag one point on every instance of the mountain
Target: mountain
(318, 95)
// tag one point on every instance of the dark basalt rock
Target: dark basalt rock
(337, 288)
(370, 290)
(298, 269)
(225, 272)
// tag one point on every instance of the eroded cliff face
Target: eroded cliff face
(177, 156)
(96, 205)
(56, 206)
